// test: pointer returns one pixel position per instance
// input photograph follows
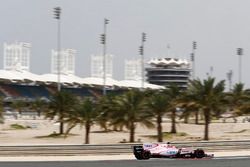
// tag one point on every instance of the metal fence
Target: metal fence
(112, 149)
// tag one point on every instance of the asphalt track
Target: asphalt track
(217, 162)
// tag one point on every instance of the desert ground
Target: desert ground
(39, 129)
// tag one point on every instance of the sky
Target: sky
(218, 26)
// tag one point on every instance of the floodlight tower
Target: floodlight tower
(194, 47)
(57, 16)
(141, 52)
(103, 42)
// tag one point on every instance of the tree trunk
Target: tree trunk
(103, 125)
(19, 111)
(159, 128)
(115, 128)
(132, 132)
(61, 128)
(197, 117)
(186, 118)
(87, 130)
(121, 128)
(39, 112)
(173, 127)
(207, 121)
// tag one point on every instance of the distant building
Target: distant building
(133, 70)
(164, 71)
(97, 66)
(67, 62)
(16, 56)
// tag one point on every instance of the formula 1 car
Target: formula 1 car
(166, 150)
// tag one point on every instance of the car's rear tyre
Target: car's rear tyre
(138, 156)
(138, 150)
(146, 154)
(199, 153)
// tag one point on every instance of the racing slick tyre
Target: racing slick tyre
(146, 154)
(199, 153)
(138, 152)
(138, 156)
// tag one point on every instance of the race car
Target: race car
(166, 150)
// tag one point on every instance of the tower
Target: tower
(97, 66)
(133, 70)
(17, 56)
(166, 71)
(67, 61)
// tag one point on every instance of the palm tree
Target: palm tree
(39, 105)
(84, 114)
(189, 108)
(174, 94)
(188, 101)
(105, 107)
(18, 105)
(158, 104)
(61, 105)
(130, 110)
(210, 96)
(238, 97)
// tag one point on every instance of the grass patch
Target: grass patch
(167, 135)
(1, 120)
(102, 131)
(18, 127)
(241, 131)
(182, 134)
(55, 135)
(52, 135)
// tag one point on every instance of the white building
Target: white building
(133, 70)
(17, 56)
(67, 62)
(97, 66)
(167, 71)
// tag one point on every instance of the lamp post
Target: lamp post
(141, 52)
(240, 53)
(103, 41)
(57, 16)
(194, 47)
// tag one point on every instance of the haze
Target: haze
(219, 27)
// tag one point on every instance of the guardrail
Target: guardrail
(112, 149)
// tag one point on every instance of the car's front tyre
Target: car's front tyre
(199, 153)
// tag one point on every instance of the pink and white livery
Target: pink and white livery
(166, 150)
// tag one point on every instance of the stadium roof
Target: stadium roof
(99, 81)
(168, 61)
(138, 84)
(28, 77)
(10, 76)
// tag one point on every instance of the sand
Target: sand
(38, 128)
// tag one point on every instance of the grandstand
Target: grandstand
(25, 91)
(23, 84)
(16, 82)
